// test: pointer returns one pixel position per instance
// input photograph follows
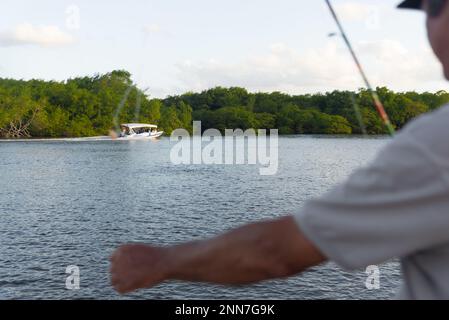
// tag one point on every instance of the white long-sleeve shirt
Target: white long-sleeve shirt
(396, 207)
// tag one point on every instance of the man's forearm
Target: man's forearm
(252, 253)
(256, 252)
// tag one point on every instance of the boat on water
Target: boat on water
(139, 131)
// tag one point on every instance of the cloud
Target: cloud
(154, 29)
(27, 34)
(330, 67)
(281, 69)
(394, 65)
(151, 28)
(355, 11)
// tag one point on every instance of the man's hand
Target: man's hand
(137, 266)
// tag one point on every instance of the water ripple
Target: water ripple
(72, 202)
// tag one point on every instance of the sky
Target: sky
(175, 46)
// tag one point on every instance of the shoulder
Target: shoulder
(429, 124)
(430, 133)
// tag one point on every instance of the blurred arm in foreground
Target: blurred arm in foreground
(256, 252)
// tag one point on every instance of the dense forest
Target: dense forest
(91, 106)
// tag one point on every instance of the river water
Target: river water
(72, 202)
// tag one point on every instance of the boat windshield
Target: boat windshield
(141, 130)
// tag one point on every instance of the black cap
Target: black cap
(410, 4)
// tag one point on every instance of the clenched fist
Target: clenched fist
(138, 266)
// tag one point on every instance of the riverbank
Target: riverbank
(108, 138)
(88, 106)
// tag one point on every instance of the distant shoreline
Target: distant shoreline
(89, 106)
(107, 138)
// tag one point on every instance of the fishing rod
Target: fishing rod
(379, 106)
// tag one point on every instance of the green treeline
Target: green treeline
(91, 106)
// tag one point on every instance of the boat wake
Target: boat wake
(87, 139)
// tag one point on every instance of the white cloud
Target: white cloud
(330, 67)
(281, 69)
(394, 65)
(355, 11)
(384, 50)
(27, 34)
(151, 28)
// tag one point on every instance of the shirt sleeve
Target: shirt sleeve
(394, 207)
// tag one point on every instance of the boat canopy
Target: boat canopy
(138, 125)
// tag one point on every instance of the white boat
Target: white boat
(139, 131)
